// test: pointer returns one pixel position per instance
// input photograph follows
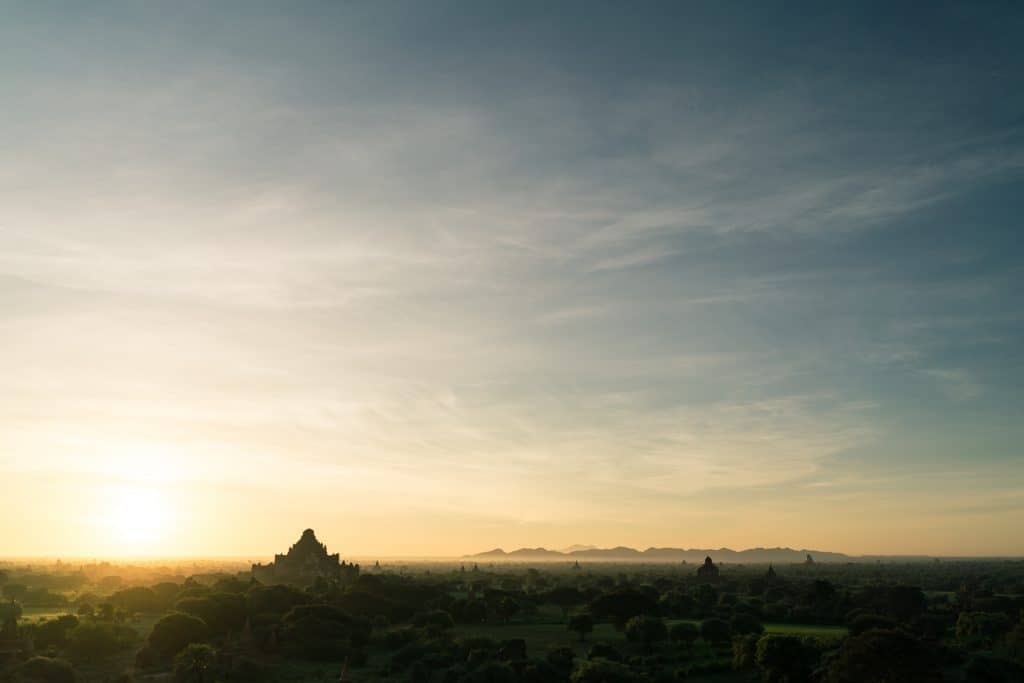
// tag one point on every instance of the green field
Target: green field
(542, 638)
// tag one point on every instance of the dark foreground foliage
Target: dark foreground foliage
(913, 622)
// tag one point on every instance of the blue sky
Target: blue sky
(512, 274)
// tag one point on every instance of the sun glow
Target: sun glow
(136, 519)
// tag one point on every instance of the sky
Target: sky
(433, 278)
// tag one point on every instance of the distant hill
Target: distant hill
(675, 555)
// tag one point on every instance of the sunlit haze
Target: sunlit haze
(435, 278)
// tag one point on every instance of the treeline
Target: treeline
(650, 624)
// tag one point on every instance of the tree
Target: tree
(275, 599)
(985, 668)
(684, 633)
(906, 602)
(195, 664)
(222, 612)
(565, 597)
(10, 612)
(1015, 641)
(46, 670)
(784, 659)
(866, 622)
(646, 630)
(622, 605)
(491, 672)
(322, 632)
(581, 624)
(54, 632)
(94, 641)
(882, 655)
(705, 596)
(981, 629)
(15, 591)
(744, 652)
(746, 624)
(175, 631)
(506, 608)
(715, 631)
(435, 619)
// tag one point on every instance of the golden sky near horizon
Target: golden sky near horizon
(434, 282)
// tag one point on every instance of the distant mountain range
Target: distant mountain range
(689, 555)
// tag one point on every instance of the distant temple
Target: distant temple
(306, 561)
(707, 571)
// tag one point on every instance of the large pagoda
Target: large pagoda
(305, 562)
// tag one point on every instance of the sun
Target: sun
(137, 518)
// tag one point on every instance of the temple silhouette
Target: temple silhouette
(707, 572)
(306, 561)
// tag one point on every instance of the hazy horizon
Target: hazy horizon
(434, 278)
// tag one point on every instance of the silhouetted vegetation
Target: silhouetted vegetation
(821, 622)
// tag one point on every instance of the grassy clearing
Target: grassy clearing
(30, 614)
(542, 638)
(828, 632)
